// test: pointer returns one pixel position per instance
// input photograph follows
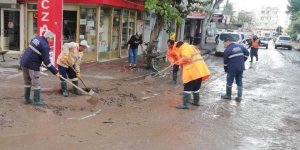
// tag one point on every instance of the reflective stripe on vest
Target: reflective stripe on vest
(35, 50)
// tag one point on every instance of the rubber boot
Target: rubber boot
(64, 89)
(27, 95)
(228, 93)
(185, 101)
(239, 94)
(174, 78)
(196, 98)
(75, 90)
(37, 98)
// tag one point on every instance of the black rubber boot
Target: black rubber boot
(75, 90)
(64, 89)
(228, 93)
(196, 99)
(239, 94)
(27, 95)
(185, 101)
(37, 98)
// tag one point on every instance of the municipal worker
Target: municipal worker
(69, 61)
(194, 70)
(235, 56)
(254, 45)
(172, 57)
(36, 53)
(132, 46)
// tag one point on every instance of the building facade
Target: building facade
(107, 25)
(267, 20)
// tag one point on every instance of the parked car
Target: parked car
(283, 41)
(238, 38)
(264, 42)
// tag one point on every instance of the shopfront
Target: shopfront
(106, 27)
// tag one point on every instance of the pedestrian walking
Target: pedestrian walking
(69, 61)
(254, 45)
(235, 56)
(132, 46)
(172, 57)
(194, 70)
(36, 53)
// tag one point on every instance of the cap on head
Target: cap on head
(138, 33)
(49, 34)
(84, 43)
(255, 37)
(229, 38)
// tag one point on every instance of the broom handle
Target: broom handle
(79, 78)
(159, 72)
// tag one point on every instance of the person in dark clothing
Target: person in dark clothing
(132, 47)
(235, 56)
(254, 45)
(36, 53)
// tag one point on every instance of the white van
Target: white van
(238, 38)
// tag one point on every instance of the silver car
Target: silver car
(283, 41)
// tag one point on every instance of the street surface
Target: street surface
(139, 113)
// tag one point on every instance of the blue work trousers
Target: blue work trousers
(237, 76)
(132, 58)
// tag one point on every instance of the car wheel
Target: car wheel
(275, 47)
(289, 48)
(267, 47)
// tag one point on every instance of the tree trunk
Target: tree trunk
(207, 19)
(158, 26)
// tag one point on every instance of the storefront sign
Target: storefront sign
(50, 18)
(196, 15)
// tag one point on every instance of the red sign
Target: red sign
(50, 18)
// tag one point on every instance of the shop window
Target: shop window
(69, 26)
(87, 31)
(116, 33)
(104, 33)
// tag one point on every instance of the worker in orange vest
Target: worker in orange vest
(254, 45)
(194, 70)
(173, 58)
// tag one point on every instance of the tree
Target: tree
(293, 8)
(279, 29)
(244, 17)
(168, 12)
(228, 10)
(213, 4)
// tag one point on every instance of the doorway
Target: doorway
(69, 26)
(10, 29)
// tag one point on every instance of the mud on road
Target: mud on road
(136, 112)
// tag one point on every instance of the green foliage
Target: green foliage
(244, 17)
(165, 9)
(293, 36)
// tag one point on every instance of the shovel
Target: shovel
(90, 93)
(86, 88)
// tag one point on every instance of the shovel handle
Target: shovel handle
(80, 89)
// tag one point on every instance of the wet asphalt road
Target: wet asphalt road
(269, 116)
(267, 119)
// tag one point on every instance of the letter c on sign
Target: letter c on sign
(44, 4)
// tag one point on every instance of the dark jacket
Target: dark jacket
(235, 56)
(36, 53)
(135, 42)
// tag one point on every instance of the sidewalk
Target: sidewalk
(296, 46)
(12, 58)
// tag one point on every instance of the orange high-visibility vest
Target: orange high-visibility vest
(255, 44)
(172, 54)
(192, 63)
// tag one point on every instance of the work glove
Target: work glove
(57, 74)
(225, 68)
(78, 75)
(64, 59)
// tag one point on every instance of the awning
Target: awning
(196, 15)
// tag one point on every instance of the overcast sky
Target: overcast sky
(252, 5)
